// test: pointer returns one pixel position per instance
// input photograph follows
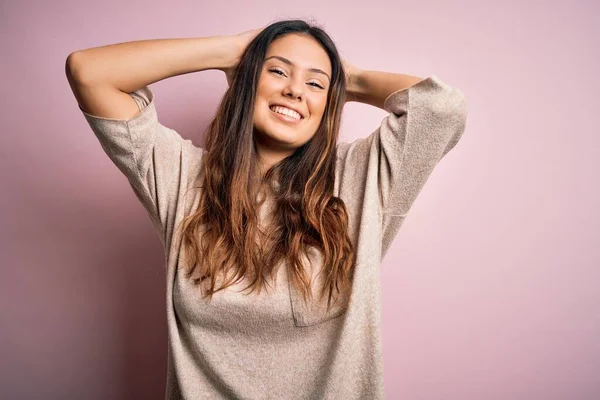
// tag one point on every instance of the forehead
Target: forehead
(303, 51)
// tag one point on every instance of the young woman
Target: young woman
(274, 232)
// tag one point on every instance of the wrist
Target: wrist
(231, 52)
(353, 84)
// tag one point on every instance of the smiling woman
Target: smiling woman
(291, 79)
(274, 204)
(295, 76)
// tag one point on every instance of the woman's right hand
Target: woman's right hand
(242, 40)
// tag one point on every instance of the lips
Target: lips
(285, 118)
(289, 107)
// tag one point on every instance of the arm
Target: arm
(111, 84)
(132, 65)
(373, 87)
(385, 171)
(101, 78)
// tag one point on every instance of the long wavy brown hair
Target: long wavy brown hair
(224, 235)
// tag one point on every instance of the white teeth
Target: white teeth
(286, 111)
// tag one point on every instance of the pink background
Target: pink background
(491, 288)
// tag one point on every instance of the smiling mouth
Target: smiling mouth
(285, 118)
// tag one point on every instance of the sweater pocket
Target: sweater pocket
(314, 311)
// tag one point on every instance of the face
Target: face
(295, 75)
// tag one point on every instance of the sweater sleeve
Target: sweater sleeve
(155, 159)
(388, 168)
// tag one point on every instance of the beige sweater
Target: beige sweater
(270, 346)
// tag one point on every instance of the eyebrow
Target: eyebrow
(285, 60)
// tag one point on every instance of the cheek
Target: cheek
(317, 113)
(260, 110)
(318, 107)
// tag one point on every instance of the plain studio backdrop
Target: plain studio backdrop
(490, 290)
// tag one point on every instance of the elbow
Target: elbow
(455, 120)
(73, 67)
(460, 107)
(454, 109)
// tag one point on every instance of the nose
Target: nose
(294, 89)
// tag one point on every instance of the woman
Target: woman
(273, 203)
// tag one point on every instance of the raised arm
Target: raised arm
(382, 174)
(132, 65)
(374, 87)
(111, 84)
(102, 77)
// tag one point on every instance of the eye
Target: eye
(279, 72)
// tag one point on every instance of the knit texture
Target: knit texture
(271, 345)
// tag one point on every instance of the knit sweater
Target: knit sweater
(271, 345)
